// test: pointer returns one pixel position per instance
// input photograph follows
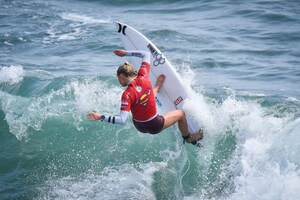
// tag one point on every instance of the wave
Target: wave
(247, 146)
(23, 113)
(261, 151)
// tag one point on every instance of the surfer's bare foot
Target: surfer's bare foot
(195, 137)
(159, 82)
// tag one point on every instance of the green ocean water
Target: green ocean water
(56, 64)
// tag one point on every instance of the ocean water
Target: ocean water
(56, 64)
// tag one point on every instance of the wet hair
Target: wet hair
(127, 70)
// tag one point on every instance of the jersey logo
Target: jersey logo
(143, 100)
(138, 88)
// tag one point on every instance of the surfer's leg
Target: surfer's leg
(159, 82)
(176, 116)
(179, 116)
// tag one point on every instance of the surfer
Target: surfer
(139, 98)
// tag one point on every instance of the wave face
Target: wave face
(241, 59)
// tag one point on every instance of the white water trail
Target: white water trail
(264, 163)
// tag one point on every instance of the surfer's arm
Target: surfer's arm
(140, 54)
(121, 119)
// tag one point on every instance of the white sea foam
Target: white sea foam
(72, 100)
(12, 74)
(14, 108)
(76, 33)
(123, 182)
(83, 18)
(265, 161)
(250, 94)
(95, 94)
(8, 43)
(269, 165)
(54, 34)
(77, 27)
(293, 99)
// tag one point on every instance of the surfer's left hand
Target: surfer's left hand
(120, 52)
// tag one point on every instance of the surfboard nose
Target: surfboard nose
(121, 27)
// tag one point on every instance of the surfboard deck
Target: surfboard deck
(173, 93)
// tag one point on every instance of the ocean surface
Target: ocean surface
(241, 58)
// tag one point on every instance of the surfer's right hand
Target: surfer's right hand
(93, 115)
(120, 52)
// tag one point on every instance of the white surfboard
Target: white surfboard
(173, 92)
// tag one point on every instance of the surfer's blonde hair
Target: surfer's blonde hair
(127, 70)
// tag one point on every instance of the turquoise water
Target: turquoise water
(56, 64)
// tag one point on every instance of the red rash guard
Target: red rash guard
(139, 97)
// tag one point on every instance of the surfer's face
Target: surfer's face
(123, 80)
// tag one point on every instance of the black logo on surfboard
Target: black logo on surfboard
(122, 29)
(159, 59)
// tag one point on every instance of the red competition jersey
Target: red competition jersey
(139, 97)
